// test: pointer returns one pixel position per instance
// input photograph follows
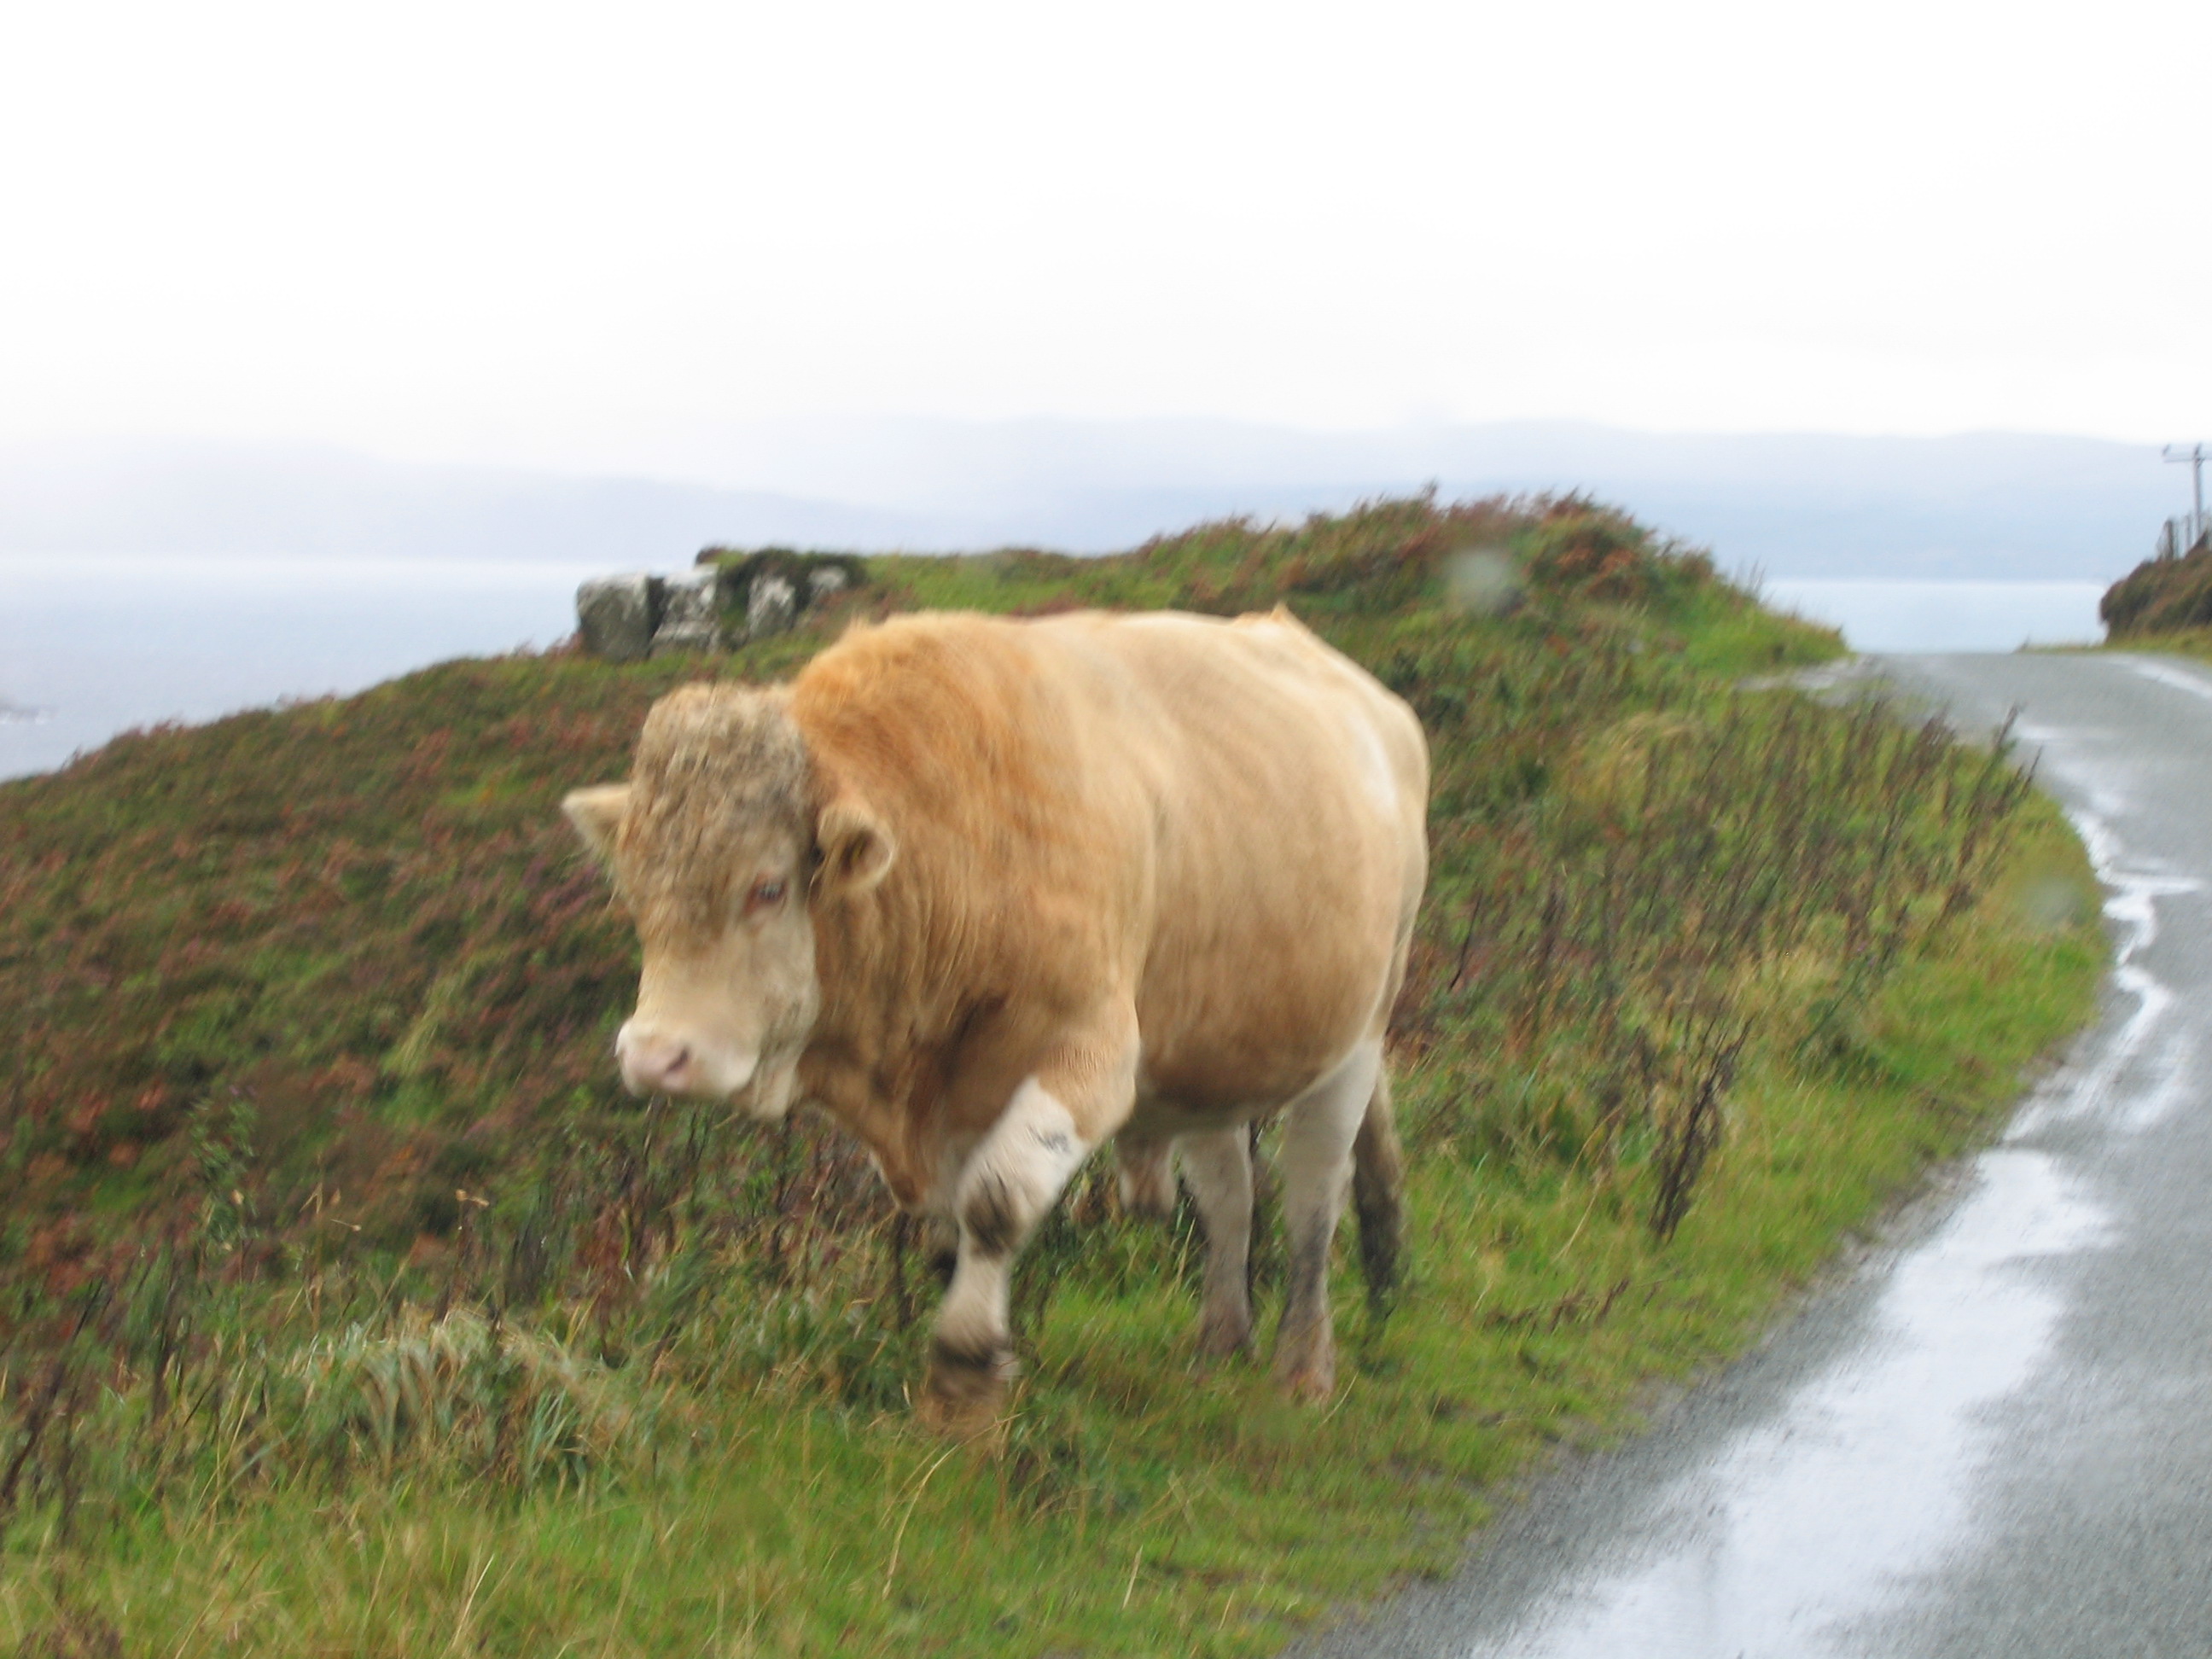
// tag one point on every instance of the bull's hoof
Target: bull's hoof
(1311, 1387)
(1306, 1371)
(965, 1391)
(1221, 1334)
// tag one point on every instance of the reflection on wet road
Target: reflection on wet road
(1998, 1437)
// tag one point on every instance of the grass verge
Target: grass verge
(2179, 642)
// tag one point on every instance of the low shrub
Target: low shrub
(2164, 595)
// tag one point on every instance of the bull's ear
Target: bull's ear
(598, 814)
(857, 848)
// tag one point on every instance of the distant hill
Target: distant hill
(205, 499)
(1989, 505)
(1985, 505)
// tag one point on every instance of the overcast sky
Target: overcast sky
(582, 236)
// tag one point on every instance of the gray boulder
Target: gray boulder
(771, 604)
(688, 618)
(619, 616)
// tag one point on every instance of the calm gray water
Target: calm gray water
(1920, 618)
(90, 647)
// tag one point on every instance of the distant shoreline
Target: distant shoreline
(1970, 507)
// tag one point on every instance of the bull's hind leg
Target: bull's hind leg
(1378, 1182)
(1319, 1128)
(1217, 1167)
(1013, 1177)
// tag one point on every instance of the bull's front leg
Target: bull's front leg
(1054, 1120)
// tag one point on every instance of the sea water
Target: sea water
(92, 646)
(1942, 616)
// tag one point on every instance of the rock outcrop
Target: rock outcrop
(771, 604)
(690, 615)
(617, 616)
(729, 597)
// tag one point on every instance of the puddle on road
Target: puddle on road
(2124, 1079)
(2178, 679)
(1807, 1525)
(1806, 1522)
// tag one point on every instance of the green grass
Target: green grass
(2179, 642)
(349, 1310)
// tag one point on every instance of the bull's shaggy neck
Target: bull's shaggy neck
(718, 770)
(939, 724)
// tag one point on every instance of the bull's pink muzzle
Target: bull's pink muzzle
(655, 1060)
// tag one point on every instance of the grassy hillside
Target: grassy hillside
(350, 1307)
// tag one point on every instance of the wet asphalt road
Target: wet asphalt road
(1995, 1437)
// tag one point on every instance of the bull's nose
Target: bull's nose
(653, 1062)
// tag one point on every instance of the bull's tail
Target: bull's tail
(1379, 1178)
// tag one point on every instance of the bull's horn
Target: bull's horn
(598, 814)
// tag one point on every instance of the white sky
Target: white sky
(571, 235)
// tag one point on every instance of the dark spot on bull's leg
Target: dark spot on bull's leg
(992, 1226)
(955, 1357)
(941, 1249)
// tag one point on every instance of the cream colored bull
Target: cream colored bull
(992, 891)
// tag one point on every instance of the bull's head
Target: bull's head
(723, 844)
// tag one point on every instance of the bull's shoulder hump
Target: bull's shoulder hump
(933, 658)
(913, 640)
(926, 658)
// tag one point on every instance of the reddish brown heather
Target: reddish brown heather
(354, 926)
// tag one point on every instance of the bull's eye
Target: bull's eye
(766, 896)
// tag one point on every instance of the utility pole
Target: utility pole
(2194, 456)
